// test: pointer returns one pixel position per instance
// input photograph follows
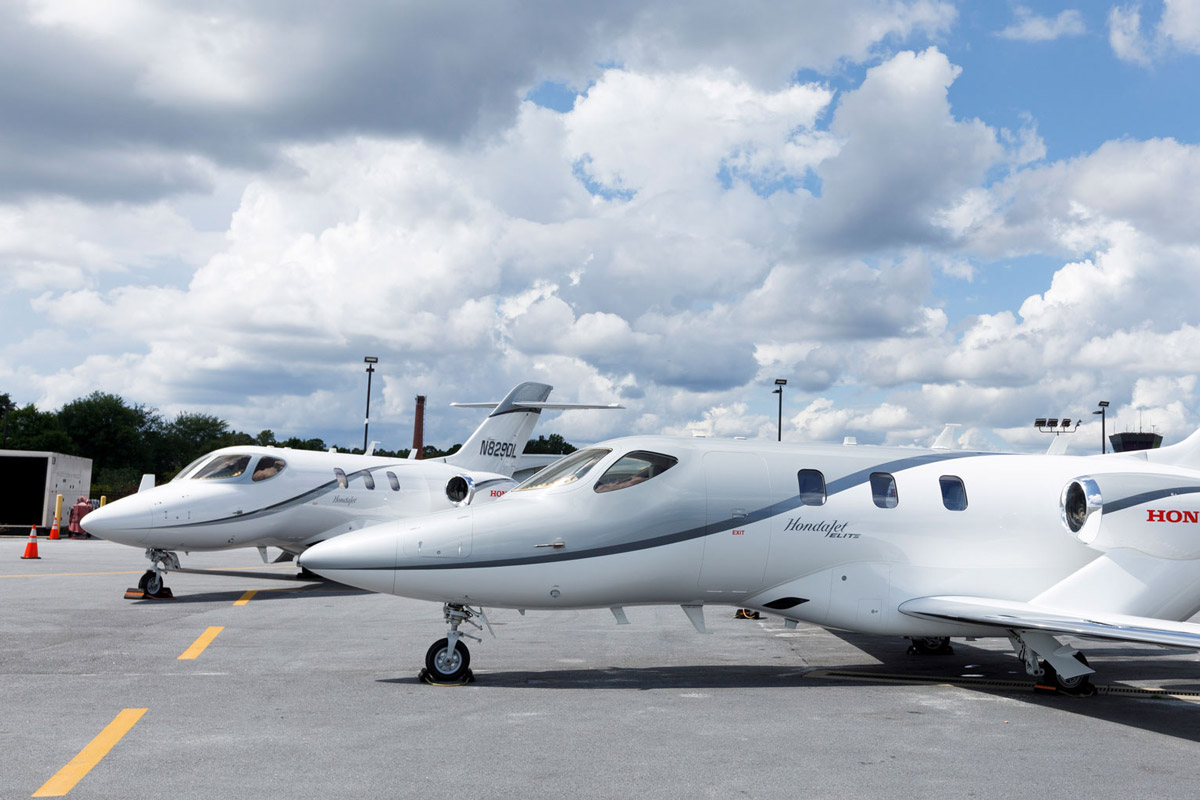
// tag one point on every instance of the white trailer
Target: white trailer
(31, 480)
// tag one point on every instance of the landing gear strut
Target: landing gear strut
(448, 661)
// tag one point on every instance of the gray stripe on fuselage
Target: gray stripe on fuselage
(1146, 497)
(283, 505)
(833, 487)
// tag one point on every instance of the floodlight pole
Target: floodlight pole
(1103, 431)
(370, 361)
(779, 384)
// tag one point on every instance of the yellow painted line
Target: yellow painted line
(65, 779)
(204, 640)
(246, 596)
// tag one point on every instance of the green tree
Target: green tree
(6, 405)
(30, 429)
(552, 445)
(114, 435)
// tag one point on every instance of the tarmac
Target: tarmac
(310, 690)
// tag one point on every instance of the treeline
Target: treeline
(126, 441)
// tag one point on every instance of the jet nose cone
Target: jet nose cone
(120, 521)
(366, 558)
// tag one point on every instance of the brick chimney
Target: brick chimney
(419, 427)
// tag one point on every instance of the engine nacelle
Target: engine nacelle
(460, 490)
(1152, 513)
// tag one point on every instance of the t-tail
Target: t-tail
(496, 445)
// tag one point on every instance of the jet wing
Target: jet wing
(1013, 615)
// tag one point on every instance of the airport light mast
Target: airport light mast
(779, 384)
(1103, 439)
(370, 361)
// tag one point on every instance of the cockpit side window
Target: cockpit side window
(812, 487)
(634, 468)
(566, 470)
(883, 490)
(268, 467)
(226, 466)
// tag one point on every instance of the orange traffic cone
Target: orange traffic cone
(54, 530)
(31, 548)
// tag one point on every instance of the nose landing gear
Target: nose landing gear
(151, 582)
(448, 660)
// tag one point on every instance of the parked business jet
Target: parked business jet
(925, 544)
(290, 499)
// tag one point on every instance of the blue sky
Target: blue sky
(918, 212)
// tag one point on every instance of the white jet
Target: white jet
(291, 499)
(924, 544)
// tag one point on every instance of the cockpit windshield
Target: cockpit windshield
(567, 470)
(227, 466)
(634, 468)
(183, 473)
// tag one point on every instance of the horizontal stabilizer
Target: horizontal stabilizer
(1013, 615)
(543, 406)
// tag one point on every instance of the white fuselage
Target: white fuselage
(315, 496)
(733, 522)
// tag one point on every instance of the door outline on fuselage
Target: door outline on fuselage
(737, 485)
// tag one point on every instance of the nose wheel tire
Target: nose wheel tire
(446, 665)
(151, 582)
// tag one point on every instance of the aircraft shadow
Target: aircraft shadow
(641, 678)
(260, 595)
(1158, 713)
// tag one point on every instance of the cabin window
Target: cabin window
(634, 468)
(812, 487)
(566, 470)
(341, 478)
(227, 466)
(368, 481)
(268, 467)
(883, 490)
(954, 493)
(394, 481)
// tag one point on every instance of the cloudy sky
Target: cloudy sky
(915, 211)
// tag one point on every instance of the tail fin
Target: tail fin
(495, 445)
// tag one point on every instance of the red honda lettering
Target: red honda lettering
(1174, 516)
(1154, 516)
(1191, 516)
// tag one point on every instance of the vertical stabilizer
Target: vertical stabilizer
(496, 444)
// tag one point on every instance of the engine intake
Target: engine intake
(460, 490)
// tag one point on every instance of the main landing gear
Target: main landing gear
(1060, 669)
(448, 660)
(930, 646)
(151, 582)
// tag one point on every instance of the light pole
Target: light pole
(370, 361)
(779, 384)
(1103, 438)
